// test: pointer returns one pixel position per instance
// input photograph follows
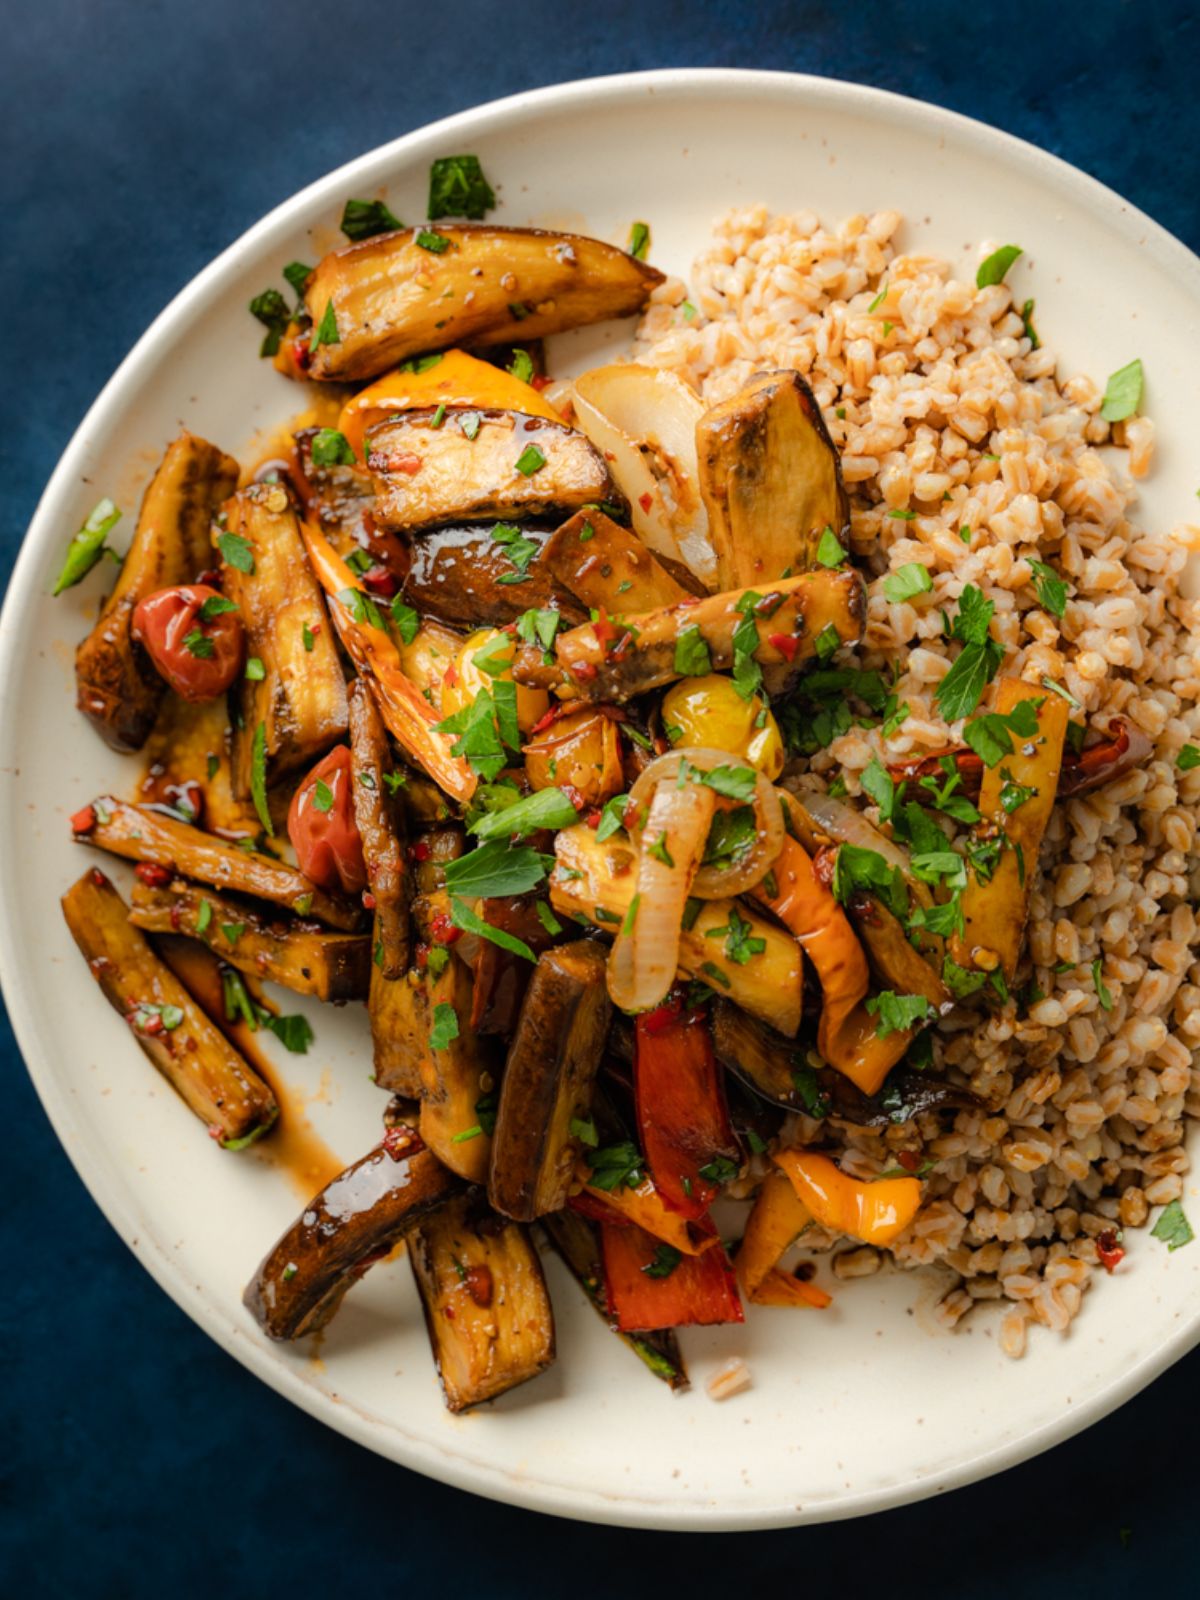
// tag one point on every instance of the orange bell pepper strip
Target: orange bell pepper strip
(873, 1212)
(643, 1207)
(846, 1031)
(777, 1219)
(458, 379)
(403, 707)
(645, 1292)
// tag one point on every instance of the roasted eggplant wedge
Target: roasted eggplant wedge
(606, 566)
(299, 702)
(770, 479)
(487, 1309)
(894, 961)
(462, 575)
(397, 295)
(195, 1058)
(117, 688)
(593, 881)
(355, 1221)
(797, 619)
(296, 953)
(142, 834)
(455, 463)
(377, 816)
(546, 1091)
(577, 1241)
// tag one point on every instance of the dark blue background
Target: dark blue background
(140, 140)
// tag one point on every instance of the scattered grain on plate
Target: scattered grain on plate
(955, 416)
(728, 1380)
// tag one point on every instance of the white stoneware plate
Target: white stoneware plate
(852, 1410)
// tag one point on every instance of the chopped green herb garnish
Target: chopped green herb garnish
(1050, 589)
(692, 658)
(332, 449)
(258, 778)
(445, 1026)
(1123, 393)
(236, 552)
(363, 219)
(1188, 758)
(530, 460)
(897, 1013)
(639, 240)
(1173, 1227)
(993, 268)
(87, 546)
(429, 239)
(326, 331)
(912, 579)
(458, 188)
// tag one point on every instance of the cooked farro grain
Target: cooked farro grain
(939, 405)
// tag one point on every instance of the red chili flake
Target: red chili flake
(1109, 1248)
(404, 463)
(144, 1021)
(315, 628)
(419, 851)
(477, 1281)
(543, 723)
(99, 879)
(646, 501)
(619, 649)
(153, 874)
(214, 1132)
(573, 795)
(422, 956)
(84, 821)
(302, 356)
(368, 900)
(604, 628)
(909, 1160)
(540, 381)
(176, 918)
(380, 581)
(593, 817)
(450, 677)
(584, 672)
(630, 820)
(786, 643)
(442, 930)
(401, 1142)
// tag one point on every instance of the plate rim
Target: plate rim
(445, 1461)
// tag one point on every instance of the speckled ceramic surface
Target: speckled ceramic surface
(854, 1409)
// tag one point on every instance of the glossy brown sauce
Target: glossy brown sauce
(293, 1145)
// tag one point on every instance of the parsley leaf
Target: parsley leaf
(363, 219)
(692, 659)
(1051, 590)
(326, 331)
(429, 239)
(548, 808)
(1173, 1227)
(912, 579)
(829, 550)
(295, 1031)
(735, 783)
(458, 188)
(1188, 758)
(445, 1026)
(1123, 393)
(740, 946)
(519, 550)
(960, 690)
(959, 981)
(1102, 990)
(897, 1012)
(332, 449)
(494, 871)
(730, 835)
(236, 552)
(530, 460)
(877, 782)
(87, 546)
(857, 868)
(463, 917)
(991, 736)
(993, 268)
(405, 620)
(258, 778)
(617, 1166)
(215, 606)
(639, 240)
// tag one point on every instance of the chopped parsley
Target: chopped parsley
(215, 606)
(1051, 590)
(332, 449)
(829, 550)
(87, 546)
(1123, 393)
(740, 945)
(616, 1166)
(519, 550)
(828, 643)
(236, 552)
(458, 188)
(494, 871)
(258, 778)
(730, 836)
(361, 607)
(445, 1026)
(912, 579)
(692, 658)
(1030, 331)
(255, 670)
(991, 736)
(993, 268)
(960, 690)
(326, 331)
(1102, 990)
(530, 460)
(363, 219)
(639, 240)
(199, 645)
(1013, 795)
(857, 868)
(547, 808)
(405, 620)
(271, 309)
(429, 239)
(1188, 758)
(897, 1013)
(1173, 1227)
(463, 917)
(719, 1170)
(322, 796)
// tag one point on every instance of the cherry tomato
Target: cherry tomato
(198, 654)
(321, 826)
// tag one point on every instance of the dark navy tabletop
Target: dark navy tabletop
(137, 1458)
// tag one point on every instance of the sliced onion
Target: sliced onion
(717, 883)
(844, 825)
(643, 421)
(643, 963)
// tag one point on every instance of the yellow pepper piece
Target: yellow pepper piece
(456, 380)
(777, 1220)
(709, 711)
(875, 1212)
(464, 678)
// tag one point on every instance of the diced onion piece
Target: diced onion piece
(643, 421)
(717, 883)
(643, 963)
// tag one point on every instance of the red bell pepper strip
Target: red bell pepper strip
(648, 1289)
(681, 1112)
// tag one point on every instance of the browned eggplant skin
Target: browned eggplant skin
(399, 1018)
(378, 817)
(194, 1057)
(455, 573)
(117, 688)
(768, 1063)
(443, 463)
(391, 299)
(300, 955)
(770, 478)
(300, 701)
(353, 1222)
(604, 565)
(140, 834)
(547, 1084)
(640, 654)
(487, 1309)
(894, 961)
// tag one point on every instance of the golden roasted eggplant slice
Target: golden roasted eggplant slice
(355, 1221)
(195, 1058)
(377, 816)
(300, 955)
(595, 880)
(578, 1243)
(796, 620)
(605, 566)
(487, 1309)
(299, 702)
(399, 1017)
(117, 688)
(546, 1092)
(894, 961)
(377, 302)
(462, 575)
(141, 834)
(455, 463)
(770, 478)
(1016, 797)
